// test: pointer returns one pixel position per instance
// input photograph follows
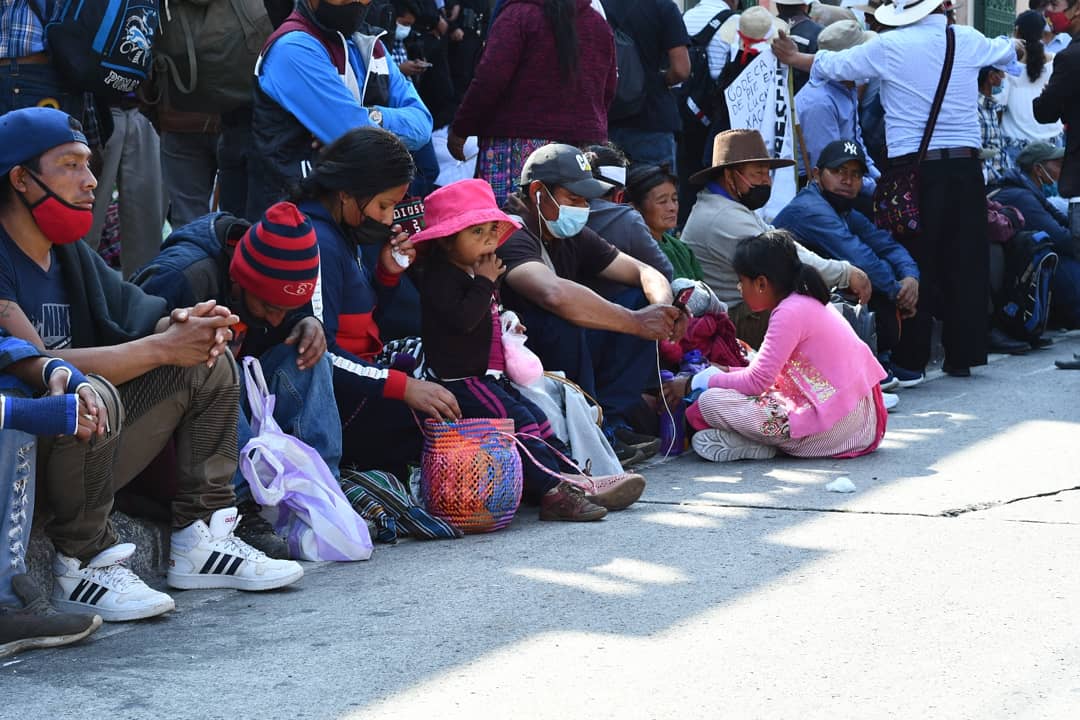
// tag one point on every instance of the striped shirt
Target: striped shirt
(20, 30)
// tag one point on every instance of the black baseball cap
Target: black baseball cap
(564, 166)
(839, 152)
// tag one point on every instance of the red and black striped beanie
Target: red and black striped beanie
(277, 260)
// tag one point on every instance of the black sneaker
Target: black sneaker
(259, 534)
(627, 456)
(647, 444)
(36, 624)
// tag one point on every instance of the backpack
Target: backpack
(101, 47)
(698, 95)
(860, 317)
(206, 54)
(1030, 264)
(630, 88)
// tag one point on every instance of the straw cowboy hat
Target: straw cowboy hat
(754, 23)
(733, 148)
(905, 12)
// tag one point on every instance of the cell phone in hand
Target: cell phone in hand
(683, 297)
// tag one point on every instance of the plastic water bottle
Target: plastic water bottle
(672, 424)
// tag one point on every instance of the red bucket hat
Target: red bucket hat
(460, 205)
(277, 260)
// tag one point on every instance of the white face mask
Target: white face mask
(402, 31)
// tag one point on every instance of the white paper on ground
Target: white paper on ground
(841, 485)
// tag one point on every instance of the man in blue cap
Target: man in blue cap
(160, 376)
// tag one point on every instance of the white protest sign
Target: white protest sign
(760, 99)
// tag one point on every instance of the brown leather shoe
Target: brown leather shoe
(568, 503)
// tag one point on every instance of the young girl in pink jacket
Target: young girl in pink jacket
(812, 390)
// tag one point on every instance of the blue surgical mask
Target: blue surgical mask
(570, 222)
(401, 32)
(1050, 189)
(996, 90)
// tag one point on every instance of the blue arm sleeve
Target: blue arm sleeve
(827, 233)
(884, 246)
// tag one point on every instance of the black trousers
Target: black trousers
(952, 252)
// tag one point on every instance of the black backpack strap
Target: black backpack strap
(705, 35)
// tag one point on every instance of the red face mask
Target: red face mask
(61, 222)
(1059, 21)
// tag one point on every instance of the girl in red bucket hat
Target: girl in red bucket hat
(462, 331)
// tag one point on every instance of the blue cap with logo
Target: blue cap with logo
(839, 152)
(29, 132)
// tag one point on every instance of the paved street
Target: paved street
(946, 586)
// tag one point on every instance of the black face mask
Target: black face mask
(756, 196)
(839, 203)
(344, 19)
(253, 323)
(369, 232)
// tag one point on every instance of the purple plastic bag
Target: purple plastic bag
(285, 473)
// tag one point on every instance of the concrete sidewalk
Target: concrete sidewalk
(945, 587)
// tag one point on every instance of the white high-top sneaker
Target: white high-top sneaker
(106, 587)
(210, 556)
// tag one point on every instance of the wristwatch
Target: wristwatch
(375, 116)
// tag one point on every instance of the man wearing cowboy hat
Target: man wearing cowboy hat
(738, 183)
(951, 250)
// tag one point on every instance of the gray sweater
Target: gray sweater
(714, 228)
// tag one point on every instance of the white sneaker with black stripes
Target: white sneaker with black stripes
(210, 556)
(106, 587)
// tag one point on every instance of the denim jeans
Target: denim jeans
(304, 408)
(188, 164)
(17, 462)
(646, 146)
(24, 86)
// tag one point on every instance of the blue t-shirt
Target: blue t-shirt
(39, 293)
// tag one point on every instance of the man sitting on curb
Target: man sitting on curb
(738, 183)
(606, 347)
(26, 619)
(1028, 188)
(160, 377)
(269, 276)
(823, 217)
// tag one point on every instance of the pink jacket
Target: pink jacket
(814, 360)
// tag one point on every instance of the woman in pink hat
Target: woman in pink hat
(463, 348)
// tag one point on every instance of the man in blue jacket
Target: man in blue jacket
(321, 73)
(268, 273)
(1028, 187)
(823, 218)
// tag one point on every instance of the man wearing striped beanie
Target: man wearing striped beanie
(267, 274)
